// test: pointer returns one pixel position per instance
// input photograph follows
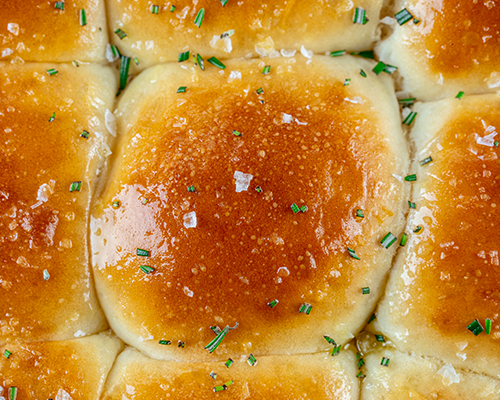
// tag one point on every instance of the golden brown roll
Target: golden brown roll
(55, 139)
(442, 299)
(63, 370)
(454, 47)
(240, 28)
(41, 30)
(313, 376)
(245, 189)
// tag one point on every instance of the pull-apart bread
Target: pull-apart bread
(444, 47)
(311, 376)
(245, 28)
(443, 296)
(244, 190)
(54, 139)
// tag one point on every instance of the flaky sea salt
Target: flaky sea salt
(242, 180)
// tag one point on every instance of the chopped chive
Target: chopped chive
(213, 375)
(46, 275)
(487, 324)
(365, 54)
(7, 353)
(305, 308)
(116, 204)
(379, 67)
(136, 60)
(261, 101)
(426, 160)
(337, 53)
(359, 16)
(52, 71)
(353, 254)
(495, 143)
(219, 388)
(199, 18)
(475, 327)
(215, 329)
(165, 342)
(273, 303)
(216, 62)
(172, 8)
(360, 375)
(251, 360)
(388, 240)
(372, 317)
(124, 67)
(404, 239)
(416, 21)
(75, 63)
(236, 133)
(83, 17)
(385, 362)
(121, 34)
(365, 290)
(155, 9)
(144, 201)
(266, 70)
(347, 81)
(227, 34)
(146, 269)
(407, 102)
(390, 69)
(411, 204)
(336, 350)
(12, 393)
(359, 213)
(260, 91)
(59, 5)
(330, 340)
(258, 189)
(228, 363)
(181, 344)
(115, 51)
(459, 95)
(362, 73)
(380, 338)
(303, 208)
(191, 188)
(142, 252)
(75, 186)
(230, 382)
(182, 89)
(409, 119)
(411, 178)
(85, 134)
(218, 339)
(403, 16)
(295, 208)
(183, 56)
(361, 362)
(200, 62)
(53, 117)
(418, 229)
(224, 2)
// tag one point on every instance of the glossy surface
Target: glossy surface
(260, 27)
(307, 145)
(315, 376)
(44, 370)
(43, 226)
(34, 30)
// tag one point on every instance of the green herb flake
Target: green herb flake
(121, 34)
(215, 329)
(218, 339)
(407, 102)
(487, 324)
(85, 134)
(224, 2)
(200, 62)
(353, 254)
(365, 54)
(251, 360)
(416, 21)
(75, 186)
(388, 240)
(172, 8)
(220, 388)
(165, 342)
(362, 73)
(227, 34)
(115, 51)
(303, 208)
(83, 17)
(336, 350)
(144, 201)
(360, 375)
(273, 303)
(475, 327)
(116, 204)
(12, 393)
(228, 363)
(52, 71)
(75, 63)
(191, 189)
(403, 16)
(338, 53)
(305, 308)
(495, 143)
(214, 61)
(411, 204)
(295, 208)
(404, 239)
(380, 338)
(266, 70)
(146, 269)
(260, 91)
(347, 82)
(359, 16)
(142, 252)
(182, 89)
(136, 60)
(379, 67)
(390, 69)
(426, 160)
(46, 275)
(124, 67)
(385, 362)
(372, 318)
(459, 95)
(330, 340)
(181, 344)
(411, 178)
(365, 290)
(59, 5)
(183, 56)
(359, 213)
(7, 353)
(258, 189)
(410, 118)
(53, 117)
(236, 133)
(361, 362)
(155, 9)
(418, 229)
(199, 18)
(213, 375)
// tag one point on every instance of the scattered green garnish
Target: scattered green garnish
(365, 290)
(83, 17)
(388, 240)
(338, 53)
(227, 34)
(53, 117)
(165, 342)
(146, 269)
(155, 9)
(411, 178)
(353, 254)
(218, 339)
(75, 63)
(359, 16)
(228, 363)
(362, 73)
(46, 275)
(224, 2)
(385, 362)
(487, 324)
(361, 362)
(124, 67)
(260, 91)
(403, 16)
(75, 186)
(12, 393)
(251, 360)
(184, 56)
(372, 317)
(236, 133)
(116, 204)
(191, 188)
(303, 208)
(115, 51)
(407, 102)
(409, 119)
(404, 239)
(7, 353)
(379, 67)
(330, 340)
(390, 69)
(305, 308)
(336, 350)
(295, 208)
(347, 81)
(426, 161)
(418, 229)
(59, 5)
(136, 60)
(121, 34)
(360, 375)
(273, 303)
(365, 54)
(199, 18)
(213, 375)
(266, 70)
(201, 64)
(172, 8)
(181, 344)
(459, 95)
(52, 71)
(359, 213)
(85, 134)
(182, 89)
(142, 252)
(258, 189)
(380, 338)
(475, 327)
(411, 204)
(214, 61)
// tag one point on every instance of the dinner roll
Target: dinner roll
(312, 376)
(52, 119)
(63, 370)
(233, 204)
(239, 28)
(53, 31)
(453, 47)
(443, 296)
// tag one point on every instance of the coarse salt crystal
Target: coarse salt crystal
(242, 181)
(449, 374)
(190, 220)
(306, 53)
(13, 28)
(110, 122)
